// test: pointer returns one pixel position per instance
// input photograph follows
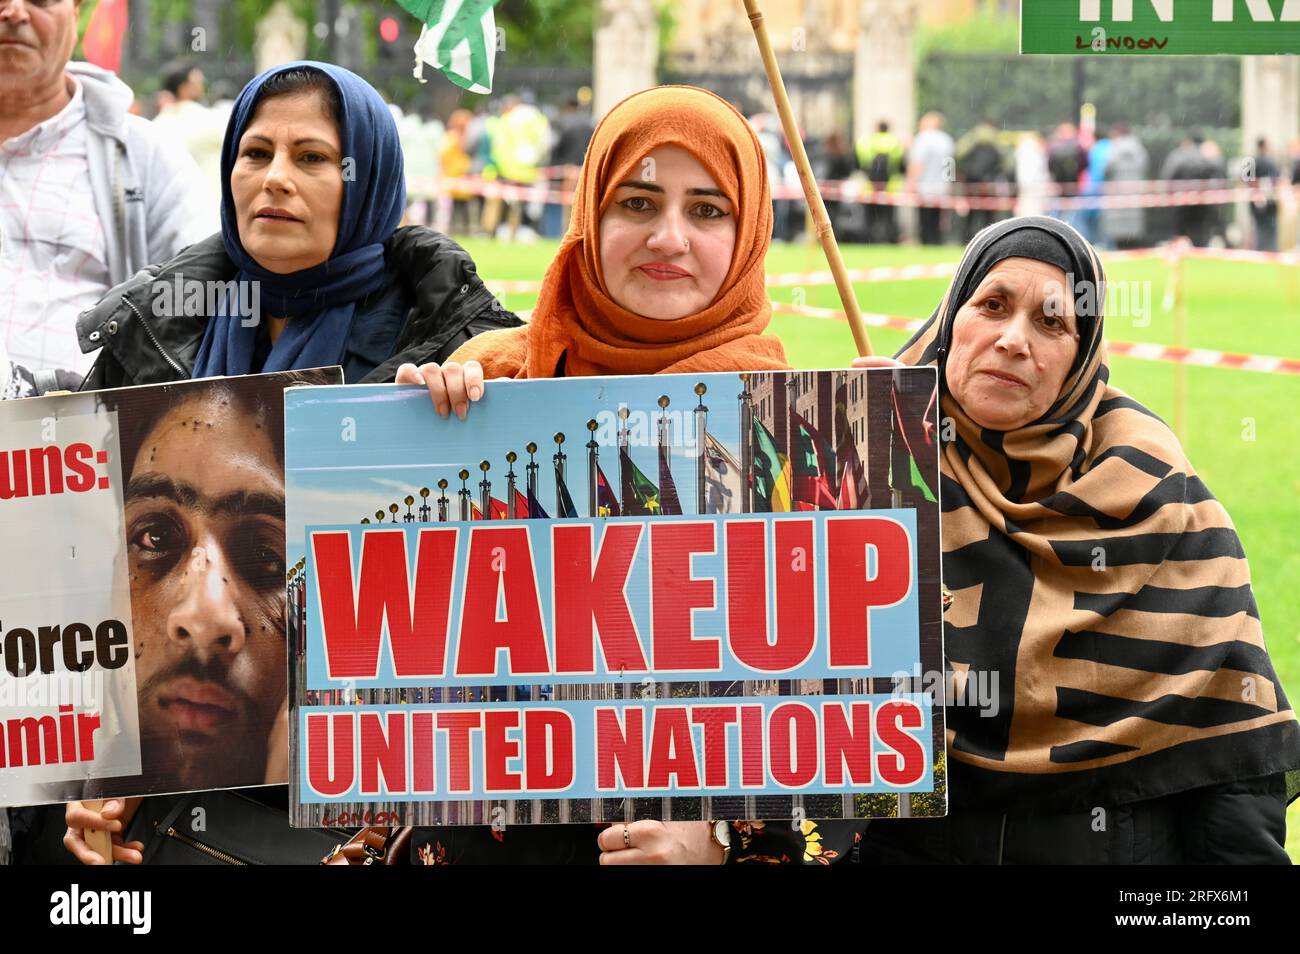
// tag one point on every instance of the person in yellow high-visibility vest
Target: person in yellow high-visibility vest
(520, 139)
(880, 156)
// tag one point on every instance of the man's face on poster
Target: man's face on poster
(205, 535)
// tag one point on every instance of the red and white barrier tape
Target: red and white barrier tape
(852, 192)
(865, 194)
(1204, 357)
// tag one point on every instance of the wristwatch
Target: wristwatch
(720, 832)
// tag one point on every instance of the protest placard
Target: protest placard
(603, 598)
(142, 605)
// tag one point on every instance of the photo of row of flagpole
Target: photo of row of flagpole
(801, 447)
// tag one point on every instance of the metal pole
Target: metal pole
(593, 451)
(560, 477)
(746, 448)
(701, 428)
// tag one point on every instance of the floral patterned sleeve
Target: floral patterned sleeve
(15, 380)
(803, 842)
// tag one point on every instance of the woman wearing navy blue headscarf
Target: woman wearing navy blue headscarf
(311, 186)
(310, 268)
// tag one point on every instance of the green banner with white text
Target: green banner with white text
(1147, 27)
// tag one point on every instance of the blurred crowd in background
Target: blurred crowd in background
(958, 185)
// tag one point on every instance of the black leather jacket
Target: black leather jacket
(434, 303)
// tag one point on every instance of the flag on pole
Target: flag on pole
(459, 37)
(852, 475)
(640, 495)
(563, 501)
(813, 465)
(723, 483)
(474, 512)
(848, 498)
(770, 473)
(102, 44)
(606, 502)
(667, 489)
(533, 507)
(912, 463)
(499, 509)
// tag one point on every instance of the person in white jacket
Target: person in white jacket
(89, 194)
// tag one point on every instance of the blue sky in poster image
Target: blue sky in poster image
(398, 444)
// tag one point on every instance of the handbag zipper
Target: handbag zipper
(205, 849)
(154, 338)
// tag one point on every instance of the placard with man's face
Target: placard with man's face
(183, 547)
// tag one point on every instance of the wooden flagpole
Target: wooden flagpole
(822, 222)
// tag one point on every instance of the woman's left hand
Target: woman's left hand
(658, 843)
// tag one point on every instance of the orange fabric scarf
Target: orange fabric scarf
(576, 318)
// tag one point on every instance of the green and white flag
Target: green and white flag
(459, 37)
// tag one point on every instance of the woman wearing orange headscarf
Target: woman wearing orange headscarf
(662, 271)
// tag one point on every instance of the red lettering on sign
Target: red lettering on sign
(751, 747)
(459, 751)
(501, 609)
(715, 720)
(498, 750)
(847, 741)
(672, 750)
(353, 630)
(792, 740)
(548, 738)
(588, 598)
(908, 764)
(423, 763)
(330, 753)
(620, 749)
(795, 573)
(675, 594)
(851, 593)
(383, 751)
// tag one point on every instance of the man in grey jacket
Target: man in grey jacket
(89, 194)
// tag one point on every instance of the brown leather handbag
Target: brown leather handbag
(373, 846)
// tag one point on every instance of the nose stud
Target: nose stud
(688, 244)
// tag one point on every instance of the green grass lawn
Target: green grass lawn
(1241, 430)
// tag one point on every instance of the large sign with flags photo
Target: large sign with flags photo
(1147, 27)
(598, 599)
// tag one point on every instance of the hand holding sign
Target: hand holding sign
(451, 386)
(88, 822)
(658, 843)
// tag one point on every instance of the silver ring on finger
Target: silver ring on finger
(627, 839)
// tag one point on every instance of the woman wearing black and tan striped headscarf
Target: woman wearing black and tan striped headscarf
(1098, 581)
